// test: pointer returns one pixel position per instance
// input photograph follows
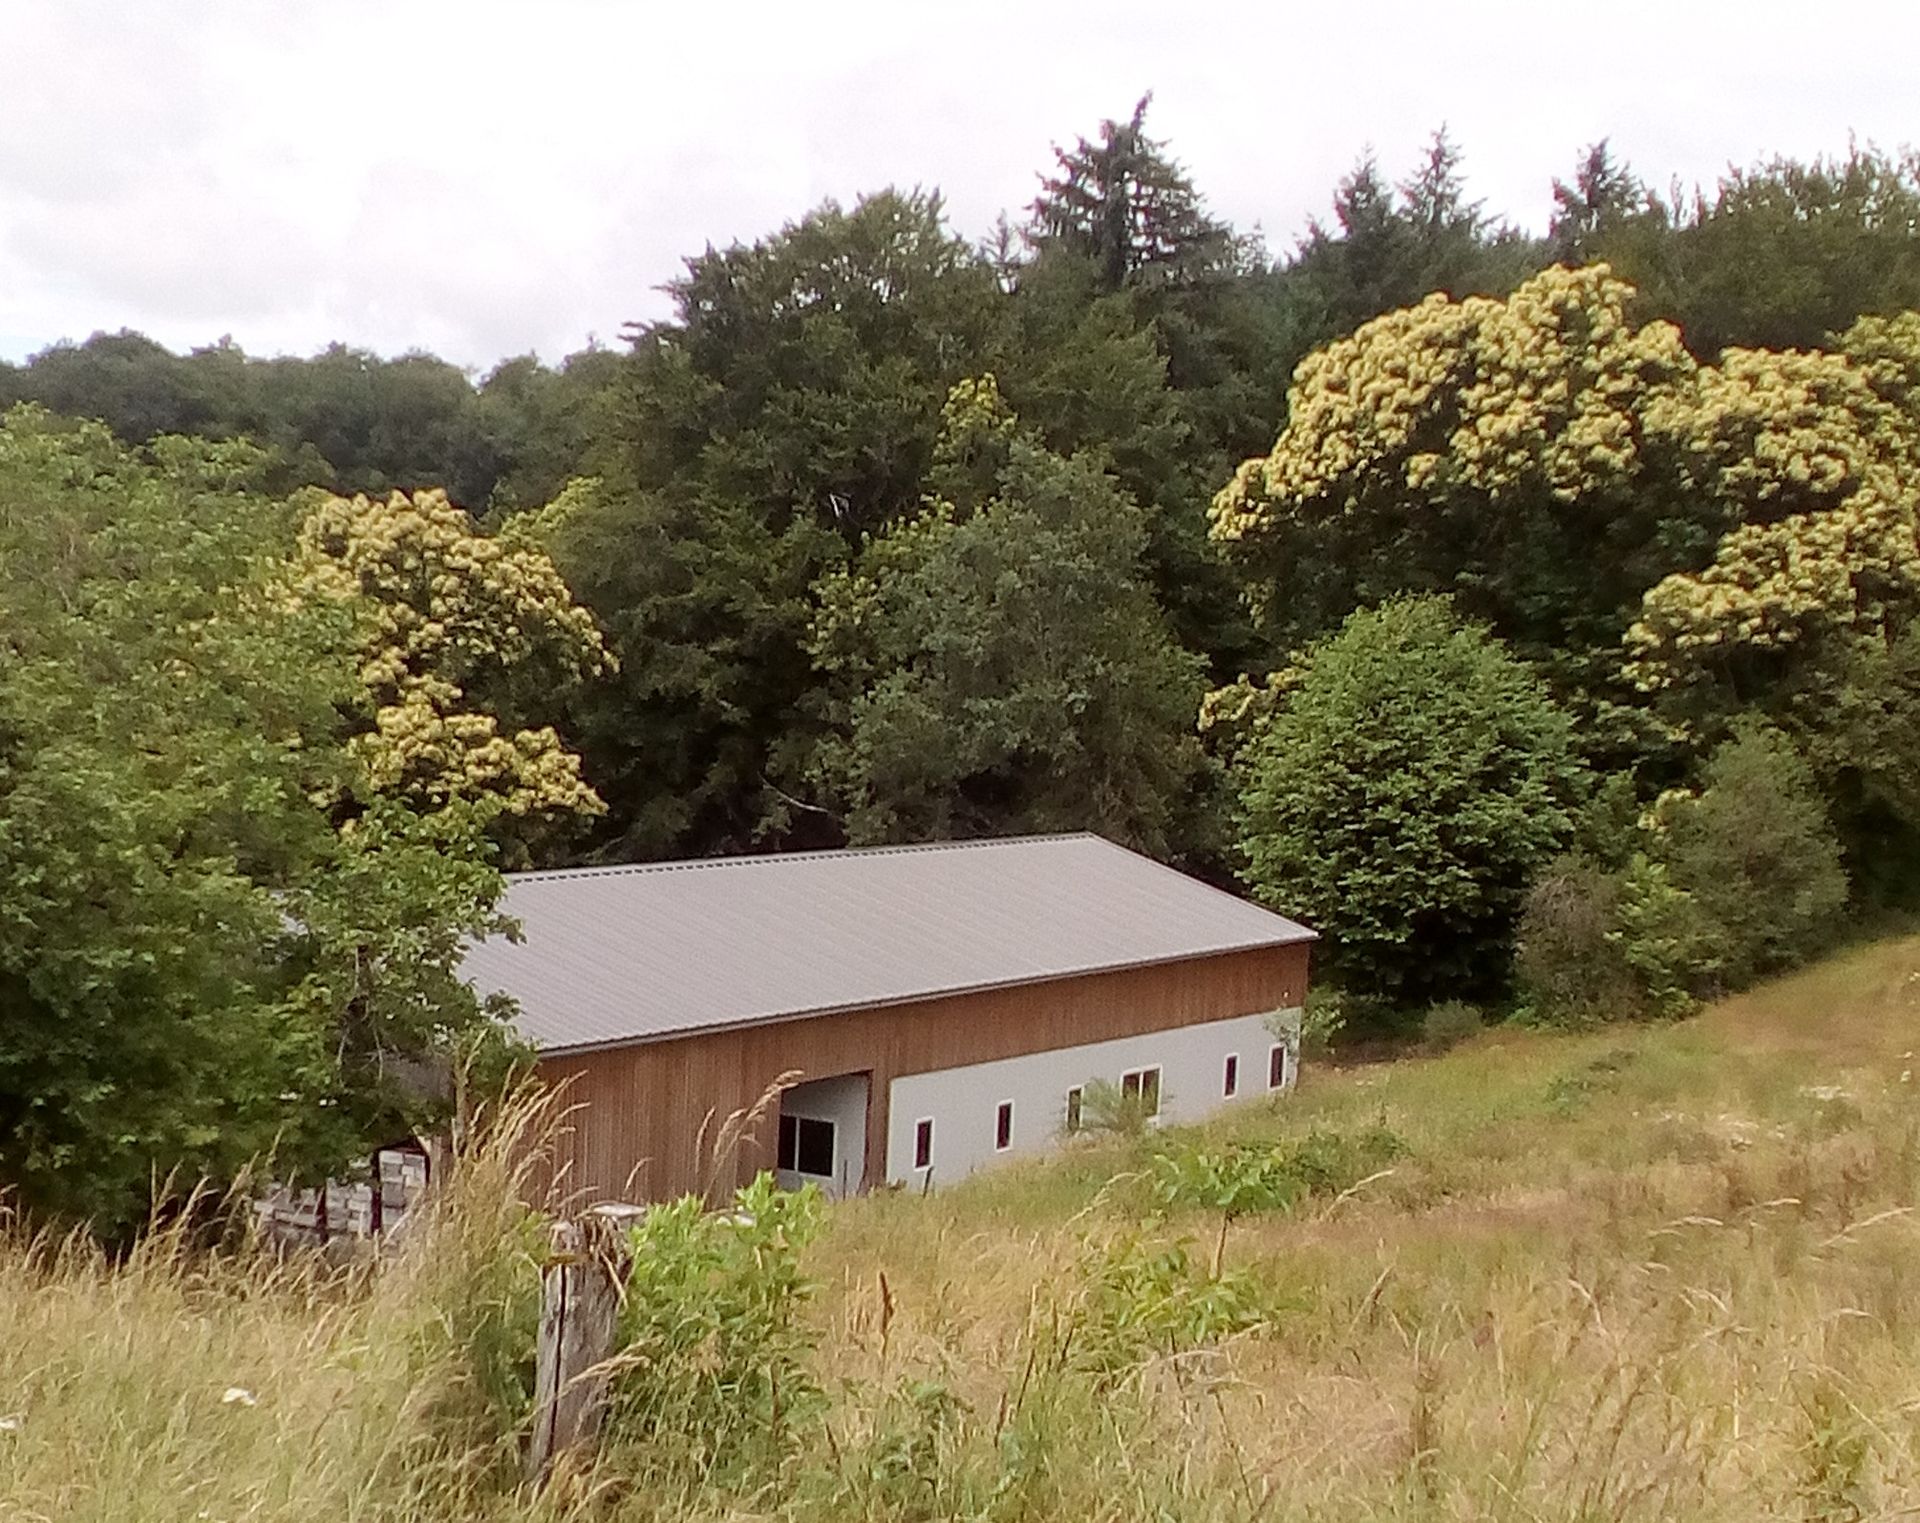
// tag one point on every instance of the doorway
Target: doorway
(823, 1135)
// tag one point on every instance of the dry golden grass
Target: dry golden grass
(1644, 1273)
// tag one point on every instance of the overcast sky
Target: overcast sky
(482, 179)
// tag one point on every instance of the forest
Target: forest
(1533, 612)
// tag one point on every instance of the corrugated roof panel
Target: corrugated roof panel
(624, 954)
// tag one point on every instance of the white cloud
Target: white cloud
(484, 178)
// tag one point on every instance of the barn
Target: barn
(943, 1007)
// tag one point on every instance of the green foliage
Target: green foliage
(1138, 1300)
(1323, 1018)
(1660, 939)
(1756, 855)
(713, 1370)
(1450, 1023)
(1713, 889)
(199, 966)
(344, 418)
(1779, 256)
(1601, 944)
(1000, 664)
(1390, 246)
(1570, 962)
(1246, 1178)
(1106, 1108)
(790, 407)
(1130, 212)
(1402, 797)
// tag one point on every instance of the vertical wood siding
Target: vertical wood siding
(645, 1115)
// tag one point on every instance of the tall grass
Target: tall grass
(1642, 1273)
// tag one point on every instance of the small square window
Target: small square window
(1142, 1084)
(789, 1142)
(1003, 1127)
(1230, 1085)
(1277, 1068)
(1073, 1109)
(923, 1144)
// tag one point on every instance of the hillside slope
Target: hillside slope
(1653, 1272)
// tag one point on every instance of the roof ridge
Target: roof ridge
(685, 864)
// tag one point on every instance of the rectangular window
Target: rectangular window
(1073, 1109)
(814, 1155)
(1142, 1084)
(1277, 1067)
(923, 1144)
(1003, 1127)
(806, 1146)
(1230, 1086)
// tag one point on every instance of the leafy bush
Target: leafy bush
(714, 1362)
(1322, 1019)
(1138, 1301)
(1243, 1178)
(1411, 781)
(1660, 939)
(1714, 889)
(1450, 1023)
(1105, 1107)
(1597, 945)
(1756, 853)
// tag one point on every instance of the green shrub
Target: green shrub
(1756, 853)
(1712, 890)
(1105, 1107)
(1137, 1301)
(714, 1364)
(1244, 1178)
(1661, 939)
(1569, 963)
(1407, 788)
(1450, 1023)
(1322, 1019)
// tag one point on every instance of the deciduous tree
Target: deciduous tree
(1000, 663)
(1412, 778)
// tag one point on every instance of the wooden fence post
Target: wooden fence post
(579, 1307)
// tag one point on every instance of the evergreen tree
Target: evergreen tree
(1130, 211)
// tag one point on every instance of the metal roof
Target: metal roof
(630, 954)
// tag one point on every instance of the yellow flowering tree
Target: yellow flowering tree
(1745, 527)
(454, 625)
(1517, 454)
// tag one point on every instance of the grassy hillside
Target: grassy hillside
(1645, 1273)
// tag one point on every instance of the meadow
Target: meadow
(1650, 1271)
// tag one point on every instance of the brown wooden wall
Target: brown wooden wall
(641, 1110)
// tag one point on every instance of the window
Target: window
(1003, 1127)
(806, 1146)
(923, 1144)
(1142, 1084)
(1230, 1086)
(1073, 1109)
(1277, 1067)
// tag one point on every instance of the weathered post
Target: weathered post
(579, 1307)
